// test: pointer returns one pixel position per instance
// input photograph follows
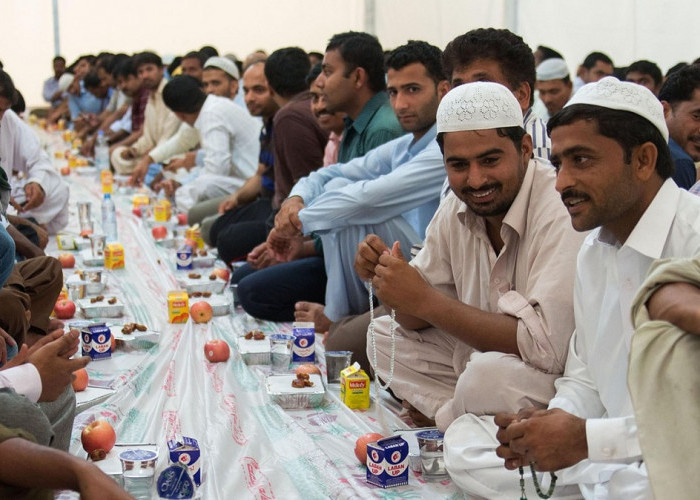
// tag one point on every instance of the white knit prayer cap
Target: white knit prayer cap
(552, 69)
(611, 93)
(224, 64)
(64, 81)
(478, 106)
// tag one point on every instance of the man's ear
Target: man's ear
(360, 77)
(644, 160)
(522, 93)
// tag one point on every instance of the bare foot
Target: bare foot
(418, 418)
(311, 311)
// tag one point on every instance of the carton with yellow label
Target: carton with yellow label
(114, 256)
(194, 233)
(107, 180)
(178, 306)
(162, 211)
(354, 387)
(140, 200)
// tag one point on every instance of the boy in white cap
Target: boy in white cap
(484, 311)
(554, 85)
(609, 146)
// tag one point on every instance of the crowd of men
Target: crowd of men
(548, 217)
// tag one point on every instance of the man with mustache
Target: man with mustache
(609, 146)
(680, 97)
(484, 311)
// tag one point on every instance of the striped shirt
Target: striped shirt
(541, 145)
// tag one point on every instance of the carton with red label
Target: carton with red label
(185, 450)
(354, 387)
(387, 462)
(97, 341)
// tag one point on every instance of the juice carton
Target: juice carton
(387, 462)
(185, 450)
(114, 256)
(183, 257)
(139, 200)
(354, 387)
(303, 350)
(194, 233)
(97, 341)
(162, 211)
(178, 306)
(66, 242)
(107, 180)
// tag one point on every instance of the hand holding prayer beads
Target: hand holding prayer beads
(397, 284)
(367, 257)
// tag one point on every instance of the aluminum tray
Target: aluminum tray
(203, 284)
(220, 304)
(255, 352)
(280, 390)
(207, 261)
(91, 287)
(135, 337)
(101, 309)
(91, 261)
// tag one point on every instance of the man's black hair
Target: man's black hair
(91, 80)
(184, 94)
(628, 129)
(418, 52)
(202, 58)
(676, 67)
(59, 58)
(174, 64)
(592, 58)
(7, 87)
(516, 60)
(681, 85)
(515, 134)
(125, 68)
(313, 74)
(361, 50)
(549, 53)
(646, 68)
(147, 58)
(208, 51)
(286, 70)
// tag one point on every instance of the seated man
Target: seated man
(484, 311)
(553, 85)
(609, 145)
(50, 92)
(228, 136)
(393, 191)
(37, 189)
(159, 122)
(645, 73)
(663, 374)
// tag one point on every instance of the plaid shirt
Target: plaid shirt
(138, 109)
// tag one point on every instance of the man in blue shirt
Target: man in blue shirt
(680, 97)
(392, 191)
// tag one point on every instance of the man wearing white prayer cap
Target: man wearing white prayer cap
(553, 84)
(220, 77)
(485, 310)
(609, 146)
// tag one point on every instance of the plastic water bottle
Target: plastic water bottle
(101, 152)
(109, 218)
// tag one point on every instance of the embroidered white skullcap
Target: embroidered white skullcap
(611, 93)
(552, 69)
(478, 106)
(224, 64)
(64, 81)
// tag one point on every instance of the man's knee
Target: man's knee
(13, 313)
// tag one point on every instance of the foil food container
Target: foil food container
(101, 309)
(203, 284)
(255, 352)
(280, 391)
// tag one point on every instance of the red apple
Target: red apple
(361, 445)
(182, 219)
(137, 212)
(159, 232)
(222, 272)
(64, 309)
(67, 260)
(201, 312)
(191, 243)
(307, 368)
(98, 439)
(80, 382)
(216, 351)
(65, 170)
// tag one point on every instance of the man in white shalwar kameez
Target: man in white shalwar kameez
(609, 145)
(37, 189)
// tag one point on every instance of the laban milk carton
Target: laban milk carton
(354, 387)
(185, 450)
(304, 349)
(114, 256)
(183, 257)
(178, 306)
(387, 462)
(97, 341)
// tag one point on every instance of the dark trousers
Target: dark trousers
(271, 293)
(240, 230)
